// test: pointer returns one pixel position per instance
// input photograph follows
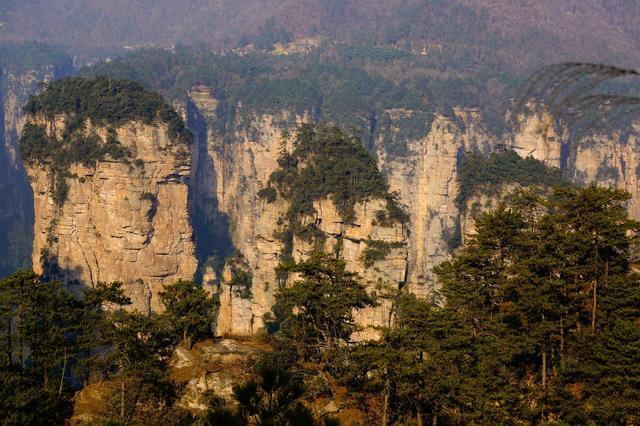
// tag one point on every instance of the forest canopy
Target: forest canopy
(106, 101)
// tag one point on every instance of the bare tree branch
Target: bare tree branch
(573, 93)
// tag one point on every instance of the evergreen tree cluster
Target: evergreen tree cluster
(488, 175)
(99, 101)
(53, 344)
(537, 321)
(326, 163)
(106, 101)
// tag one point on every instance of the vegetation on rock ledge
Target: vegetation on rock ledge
(100, 101)
(106, 101)
(488, 174)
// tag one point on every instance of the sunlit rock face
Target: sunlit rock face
(230, 170)
(421, 155)
(122, 220)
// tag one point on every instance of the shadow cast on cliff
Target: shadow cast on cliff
(211, 227)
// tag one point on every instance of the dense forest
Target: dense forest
(537, 324)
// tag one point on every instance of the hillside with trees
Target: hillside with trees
(515, 34)
(538, 324)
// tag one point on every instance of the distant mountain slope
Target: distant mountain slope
(506, 34)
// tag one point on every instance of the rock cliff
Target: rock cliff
(420, 153)
(115, 209)
(128, 219)
(425, 177)
(16, 206)
(231, 168)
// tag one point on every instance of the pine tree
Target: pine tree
(317, 310)
(189, 309)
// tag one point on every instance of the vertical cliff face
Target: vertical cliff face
(421, 155)
(111, 202)
(608, 159)
(425, 177)
(232, 167)
(229, 170)
(537, 135)
(16, 208)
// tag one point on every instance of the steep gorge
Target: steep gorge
(17, 83)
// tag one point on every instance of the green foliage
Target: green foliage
(488, 175)
(269, 34)
(327, 163)
(107, 102)
(452, 238)
(551, 280)
(376, 251)
(24, 400)
(383, 54)
(138, 350)
(269, 194)
(252, 84)
(242, 281)
(189, 309)
(272, 398)
(101, 101)
(606, 173)
(38, 327)
(28, 56)
(49, 340)
(316, 312)
(16, 244)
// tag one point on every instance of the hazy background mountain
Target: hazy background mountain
(508, 34)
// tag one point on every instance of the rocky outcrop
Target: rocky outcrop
(228, 173)
(536, 134)
(231, 169)
(122, 220)
(419, 152)
(610, 159)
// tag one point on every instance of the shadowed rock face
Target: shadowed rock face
(16, 205)
(122, 220)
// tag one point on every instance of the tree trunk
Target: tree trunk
(385, 410)
(122, 398)
(562, 341)
(544, 368)
(594, 307)
(64, 370)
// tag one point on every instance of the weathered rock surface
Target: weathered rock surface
(124, 220)
(229, 171)
(212, 366)
(425, 177)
